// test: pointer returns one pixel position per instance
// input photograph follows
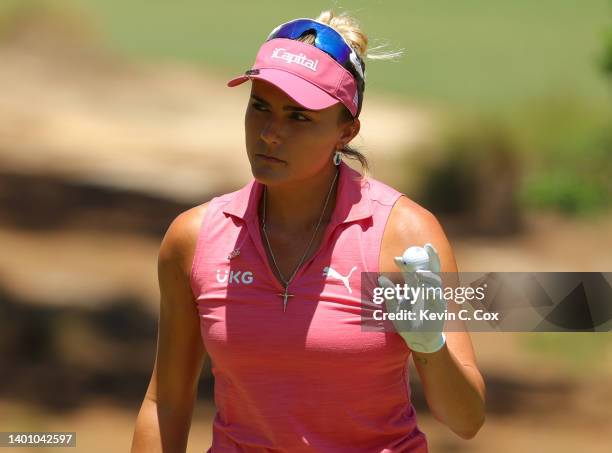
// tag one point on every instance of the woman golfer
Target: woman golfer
(266, 280)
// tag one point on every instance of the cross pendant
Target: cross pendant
(284, 296)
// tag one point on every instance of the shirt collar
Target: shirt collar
(352, 198)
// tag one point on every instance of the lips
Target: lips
(269, 158)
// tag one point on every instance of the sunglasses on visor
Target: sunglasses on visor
(326, 39)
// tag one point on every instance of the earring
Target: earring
(337, 158)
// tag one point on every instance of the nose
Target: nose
(271, 132)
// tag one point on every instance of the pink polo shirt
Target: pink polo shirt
(309, 379)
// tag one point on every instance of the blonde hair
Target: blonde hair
(351, 31)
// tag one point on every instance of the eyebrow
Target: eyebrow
(292, 108)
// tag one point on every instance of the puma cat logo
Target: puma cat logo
(331, 272)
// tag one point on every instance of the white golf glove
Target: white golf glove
(420, 267)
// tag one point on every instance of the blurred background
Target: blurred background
(114, 118)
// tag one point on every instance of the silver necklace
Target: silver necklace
(286, 294)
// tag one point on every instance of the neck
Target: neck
(297, 206)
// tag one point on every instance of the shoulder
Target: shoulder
(408, 218)
(181, 237)
(410, 224)
(179, 242)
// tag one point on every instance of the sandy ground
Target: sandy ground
(70, 265)
(569, 421)
(534, 406)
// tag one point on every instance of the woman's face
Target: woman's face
(300, 141)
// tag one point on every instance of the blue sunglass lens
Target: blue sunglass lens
(327, 39)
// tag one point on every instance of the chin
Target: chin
(269, 174)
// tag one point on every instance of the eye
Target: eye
(299, 117)
(258, 106)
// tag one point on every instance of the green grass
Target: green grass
(566, 151)
(475, 54)
(579, 352)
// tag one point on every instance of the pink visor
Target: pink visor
(308, 75)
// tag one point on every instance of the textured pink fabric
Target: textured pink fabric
(309, 379)
(308, 75)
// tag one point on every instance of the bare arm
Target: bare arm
(453, 386)
(164, 419)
